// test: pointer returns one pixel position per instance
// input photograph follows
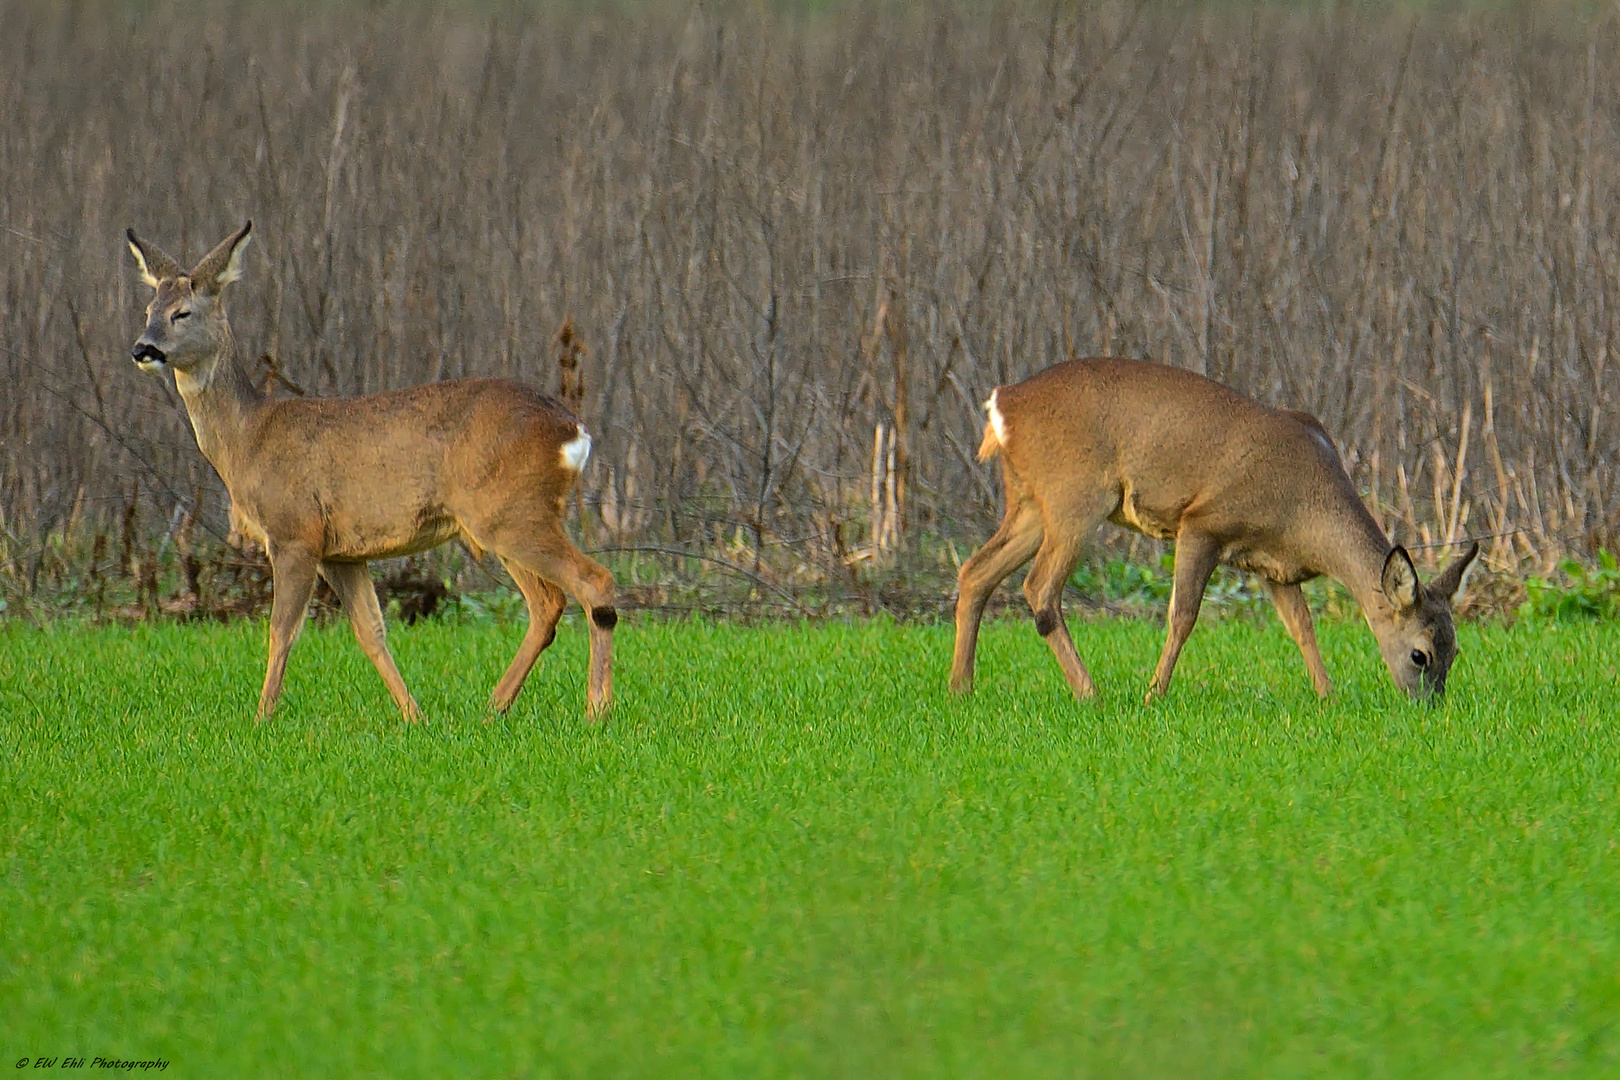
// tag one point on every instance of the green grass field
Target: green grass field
(790, 854)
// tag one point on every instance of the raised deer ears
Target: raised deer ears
(155, 263)
(217, 269)
(223, 265)
(1400, 580)
(1450, 580)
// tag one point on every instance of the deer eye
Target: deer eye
(1420, 658)
(177, 316)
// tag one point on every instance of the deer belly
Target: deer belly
(364, 537)
(1149, 521)
(1267, 565)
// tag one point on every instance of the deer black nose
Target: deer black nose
(148, 354)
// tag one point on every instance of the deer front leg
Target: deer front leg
(352, 582)
(293, 583)
(1196, 556)
(1296, 616)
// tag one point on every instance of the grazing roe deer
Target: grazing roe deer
(1176, 456)
(327, 485)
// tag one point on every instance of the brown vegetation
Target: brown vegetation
(774, 231)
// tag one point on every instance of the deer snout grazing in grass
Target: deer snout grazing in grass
(327, 485)
(1176, 456)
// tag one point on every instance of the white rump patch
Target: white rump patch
(576, 450)
(997, 424)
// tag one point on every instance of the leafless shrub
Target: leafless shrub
(775, 232)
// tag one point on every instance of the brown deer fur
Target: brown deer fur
(1176, 456)
(327, 485)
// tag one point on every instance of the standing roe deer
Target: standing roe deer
(327, 485)
(1177, 456)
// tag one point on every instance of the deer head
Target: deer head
(186, 327)
(1415, 635)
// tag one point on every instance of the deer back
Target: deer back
(1174, 446)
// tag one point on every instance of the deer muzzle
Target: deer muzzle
(148, 357)
(1426, 692)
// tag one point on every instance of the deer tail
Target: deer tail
(995, 429)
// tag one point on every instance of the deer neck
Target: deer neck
(221, 401)
(1356, 560)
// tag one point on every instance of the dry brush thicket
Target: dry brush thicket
(798, 249)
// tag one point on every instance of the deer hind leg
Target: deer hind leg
(1196, 557)
(292, 583)
(546, 603)
(352, 582)
(1011, 547)
(1296, 616)
(545, 551)
(1043, 588)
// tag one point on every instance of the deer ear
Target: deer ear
(223, 265)
(1450, 582)
(155, 264)
(1400, 580)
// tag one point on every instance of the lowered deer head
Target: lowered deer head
(1178, 457)
(1413, 625)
